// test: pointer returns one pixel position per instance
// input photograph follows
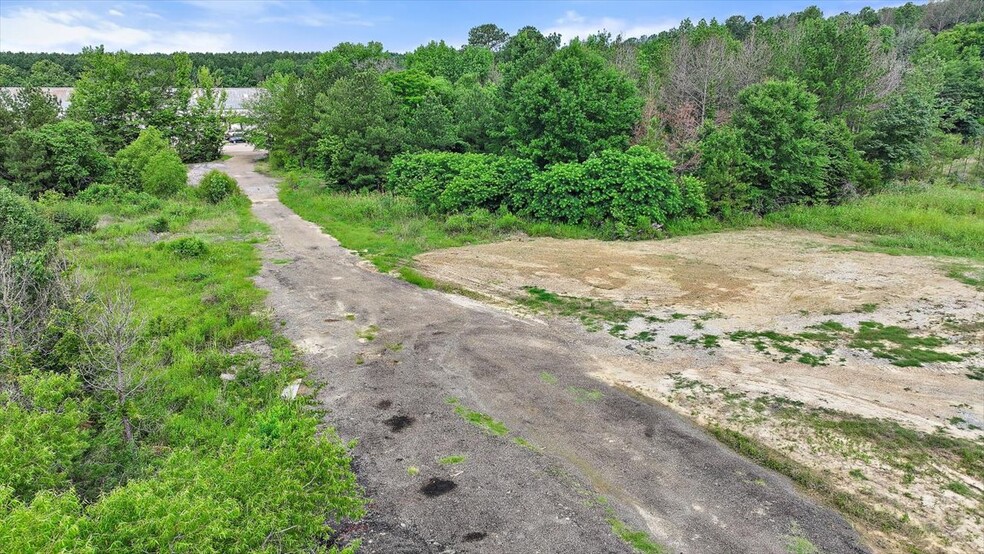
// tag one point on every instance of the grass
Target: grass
(390, 230)
(934, 220)
(478, 419)
(196, 432)
(591, 312)
(638, 540)
(451, 460)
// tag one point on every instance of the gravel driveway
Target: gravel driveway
(482, 432)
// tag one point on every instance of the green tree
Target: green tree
(436, 59)
(432, 124)
(900, 132)
(835, 60)
(772, 153)
(574, 105)
(63, 156)
(489, 35)
(46, 73)
(359, 126)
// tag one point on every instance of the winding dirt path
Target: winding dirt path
(399, 363)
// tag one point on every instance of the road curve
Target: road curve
(589, 459)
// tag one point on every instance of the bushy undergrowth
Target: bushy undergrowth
(22, 225)
(627, 192)
(214, 465)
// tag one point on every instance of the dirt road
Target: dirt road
(481, 432)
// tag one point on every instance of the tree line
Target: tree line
(755, 114)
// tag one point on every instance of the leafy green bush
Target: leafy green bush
(164, 174)
(188, 247)
(22, 225)
(631, 189)
(41, 438)
(131, 160)
(451, 182)
(160, 224)
(63, 156)
(100, 193)
(216, 186)
(72, 218)
(50, 523)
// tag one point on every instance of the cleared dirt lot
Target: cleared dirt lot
(721, 322)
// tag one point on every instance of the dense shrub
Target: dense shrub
(216, 186)
(131, 160)
(72, 218)
(451, 182)
(632, 189)
(772, 153)
(22, 226)
(63, 156)
(188, 247)
(41, 437)
(164, 174)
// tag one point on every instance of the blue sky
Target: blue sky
(306, 25)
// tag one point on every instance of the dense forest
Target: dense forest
(131, 419)
(747, 116)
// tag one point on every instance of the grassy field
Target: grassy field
(935, 220)
(218, 464)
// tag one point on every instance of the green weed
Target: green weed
(638, 540)
(451, 460)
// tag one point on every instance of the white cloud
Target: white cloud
(33, 30)
(573, 24)
(116, 13)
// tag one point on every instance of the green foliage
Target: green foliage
(22, 225)
(571, 107)
(50, 523)
(30, 108)
(131, 160)
(41, 435)
(120, 94)
(452, 182)
(833, 60)
(359, 126)
(900, 132)
(72, 218)
(164, 174)
(216, 186)
(391, 229)
(633, 189)
(489, 35)
(241, 499)
(188, 247)
(62, 156)
(772, 153)
(432, 124)
(937, 220)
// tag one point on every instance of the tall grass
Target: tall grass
(936, 220)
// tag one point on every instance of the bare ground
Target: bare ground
(787, 282)
(551, 456)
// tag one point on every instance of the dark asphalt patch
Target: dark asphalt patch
(437, 486)
(384, 404)
(398, 423)
(474, 536)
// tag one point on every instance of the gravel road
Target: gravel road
(401, 367)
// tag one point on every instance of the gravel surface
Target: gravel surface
(400, 366)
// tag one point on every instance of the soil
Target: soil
(788, 282)
(548, 463)
(757, 280)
